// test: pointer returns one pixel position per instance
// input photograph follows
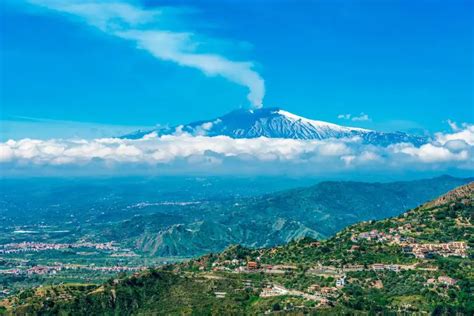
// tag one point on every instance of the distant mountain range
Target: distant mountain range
(277, 123)
(317, 211)
(188, 217)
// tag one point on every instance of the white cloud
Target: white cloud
(361, 117)
(355, 118)
(107, 16)
(430, 153)
(344, 116)
(453, 125)
(185, 153)
(6, 153)
(466, 134)
(142, 26)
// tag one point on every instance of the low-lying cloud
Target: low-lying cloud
(145, 27)
(185, 153)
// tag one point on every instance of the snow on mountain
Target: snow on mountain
(277, 123)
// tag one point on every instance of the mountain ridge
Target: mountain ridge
(316, 211)
(273, 122)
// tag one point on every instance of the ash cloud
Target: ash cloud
(145, 27)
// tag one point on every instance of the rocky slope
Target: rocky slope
(277, 123)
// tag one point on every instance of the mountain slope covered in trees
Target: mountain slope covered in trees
(420, 261)
(317, 211)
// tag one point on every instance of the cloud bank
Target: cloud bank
(145, 28)
(184, 153)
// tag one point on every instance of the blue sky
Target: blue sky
(406, 65)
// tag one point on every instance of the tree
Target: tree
(276, 307)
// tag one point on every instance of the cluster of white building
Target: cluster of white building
(28, 246)
(394, 235)
(419, 250)
(54, 269)
(455, 248)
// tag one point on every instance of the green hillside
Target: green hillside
(420, 261)
(273, 219)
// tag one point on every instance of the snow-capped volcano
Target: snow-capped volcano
(277, 123)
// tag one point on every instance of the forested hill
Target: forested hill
(418, 262)
(317, 211)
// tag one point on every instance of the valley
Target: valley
(135, 225)
(372, 266)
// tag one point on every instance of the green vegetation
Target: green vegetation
(162, 220)
(420, 261)
(185, 217)
(273, 219)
